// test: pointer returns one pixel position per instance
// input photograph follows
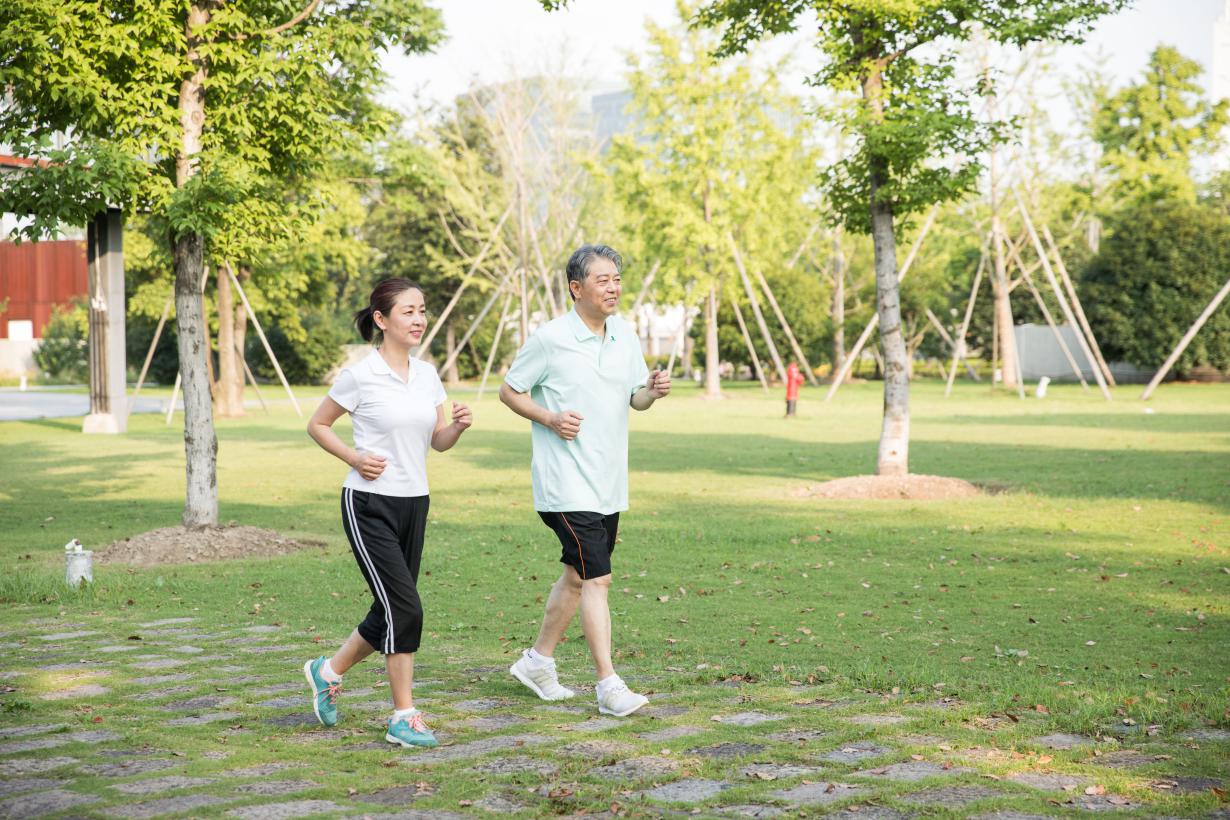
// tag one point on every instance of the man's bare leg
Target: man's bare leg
(561, 607)
(596, 621)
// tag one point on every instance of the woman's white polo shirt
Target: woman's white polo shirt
(391, 418)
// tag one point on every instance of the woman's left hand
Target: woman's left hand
(462, 417)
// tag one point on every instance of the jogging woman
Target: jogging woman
(396, 405)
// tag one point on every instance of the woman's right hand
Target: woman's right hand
(368, 465)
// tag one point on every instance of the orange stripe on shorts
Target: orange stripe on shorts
(580, 552)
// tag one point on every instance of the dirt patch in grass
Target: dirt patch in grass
(181, 545)
(907, 487)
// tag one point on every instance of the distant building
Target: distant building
(1219, 88)
(611, 117)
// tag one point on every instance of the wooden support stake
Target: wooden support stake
(149, 356)
(482, 314)
(959, 347)
(803, 246)
(747, 339)
(1076, 305)
(1063, 303)
(755, 303)
(425, 344)
(875, 317)
(1185, 341)
(1016, 356)
(174, 396)
(264, 341)
(1050, 320)
(645, 286)
(935, 322)
(781, 318)
(681, 336)
(251, 379)
(495, 345)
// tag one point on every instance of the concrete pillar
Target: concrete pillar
(108, 363)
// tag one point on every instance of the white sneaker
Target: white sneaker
(540, 678)
(618, 700)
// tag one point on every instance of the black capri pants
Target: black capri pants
(386, 537)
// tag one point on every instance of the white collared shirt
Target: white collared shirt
(566, 366)
(391, 418)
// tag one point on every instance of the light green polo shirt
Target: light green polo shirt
(565, 366)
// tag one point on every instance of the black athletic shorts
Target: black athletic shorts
(587, 538)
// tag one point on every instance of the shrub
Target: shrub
(314, 350)
(1156, 271)
(63, 353)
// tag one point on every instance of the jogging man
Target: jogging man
(575, 379)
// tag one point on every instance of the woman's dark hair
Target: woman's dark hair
(383, 298)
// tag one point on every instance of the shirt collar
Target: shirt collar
(381, 367)
(582, 331)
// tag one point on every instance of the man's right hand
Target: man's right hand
(566, 424)
(368, 465)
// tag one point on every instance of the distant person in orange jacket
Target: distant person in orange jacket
(793, 379)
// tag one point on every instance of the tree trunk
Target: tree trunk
(838, 308)
(200, 440)
(228, 398)
(713, 385)
(894, 452)
(240, 328)
(1003, 310)
(999, 279)
(450, 344)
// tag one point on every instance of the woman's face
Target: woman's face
(407, 321)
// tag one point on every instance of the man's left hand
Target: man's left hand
(658, 384)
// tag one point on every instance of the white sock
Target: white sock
(538, 659)
(326, 672)
(608, 682)
(402, 714)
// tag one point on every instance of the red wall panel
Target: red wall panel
(35, 276)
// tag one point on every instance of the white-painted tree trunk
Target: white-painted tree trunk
(894, 452)
(713, 384)
(200, 440)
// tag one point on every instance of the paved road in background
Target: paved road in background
(16, 405)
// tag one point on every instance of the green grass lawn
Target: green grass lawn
(1088, 593)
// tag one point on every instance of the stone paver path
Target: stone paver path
(169, 717)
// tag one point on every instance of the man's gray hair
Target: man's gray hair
(586, 255)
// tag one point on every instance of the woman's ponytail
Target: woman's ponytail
(366, 323)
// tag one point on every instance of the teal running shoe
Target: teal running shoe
(411, 731)
(324, 694)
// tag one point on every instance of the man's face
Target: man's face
(598, 293)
